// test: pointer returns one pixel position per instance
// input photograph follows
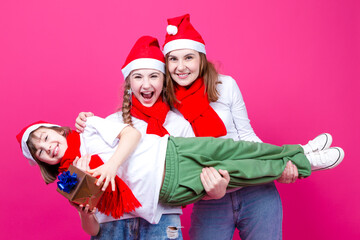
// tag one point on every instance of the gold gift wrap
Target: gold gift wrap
(85, 191)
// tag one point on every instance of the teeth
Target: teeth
(56, 151)
(183, 75)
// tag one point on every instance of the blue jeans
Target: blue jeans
(255, 211)
(169, 227)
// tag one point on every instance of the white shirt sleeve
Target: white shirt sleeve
(240, 116)
(107, 130)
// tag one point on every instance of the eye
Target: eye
(154, 76)
(40, 152)
(189, 57)
(46, 138)
(172, 59)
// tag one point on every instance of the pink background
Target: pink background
(296, 62)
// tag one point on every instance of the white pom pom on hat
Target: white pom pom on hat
(171, 30)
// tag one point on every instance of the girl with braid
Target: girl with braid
(145, 109)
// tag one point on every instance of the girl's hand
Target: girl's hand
(83, 163)
(106, 172)
(290, 174)
(83, 210)
(80, 121)
(214, 184)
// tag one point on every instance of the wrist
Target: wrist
(84, 215)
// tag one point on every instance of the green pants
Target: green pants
(248, 164)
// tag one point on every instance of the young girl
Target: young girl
(144, 108)
(166, 169)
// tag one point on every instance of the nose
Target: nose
(46, 147)
(181, 66)
(146, 83)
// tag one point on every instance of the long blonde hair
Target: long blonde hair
(207, 71)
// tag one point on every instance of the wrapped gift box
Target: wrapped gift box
(85, 190)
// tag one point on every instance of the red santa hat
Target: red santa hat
(145, 53)
(24, 134)
(180, 34)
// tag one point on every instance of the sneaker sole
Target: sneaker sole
(337, 162)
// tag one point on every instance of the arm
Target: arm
(129, 137)
(239, 112)
(89, 222)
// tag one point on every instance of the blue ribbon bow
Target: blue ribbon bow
(67, 181)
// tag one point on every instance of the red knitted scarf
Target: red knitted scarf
(155, 115)
(115, 202)
(195, 107)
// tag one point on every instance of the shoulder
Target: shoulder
(174, 116)
(177, 125)
(102, 123)
(94, 120)
(175, 119)
(228, 86)
(227, 80)
(117, 117)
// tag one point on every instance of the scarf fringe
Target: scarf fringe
(114, 203)
(118, 202)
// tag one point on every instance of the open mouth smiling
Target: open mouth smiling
(56, 151)
(147, 95)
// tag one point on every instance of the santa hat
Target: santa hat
(145, 53)
(24, 134)
(181, 34)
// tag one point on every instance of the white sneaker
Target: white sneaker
(321, 142)
(326, 159)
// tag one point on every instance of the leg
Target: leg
(255, 211)
(213, 219)
(169, 227)
(120, 229)
(140, 229)
(248, 164)
(259, 212)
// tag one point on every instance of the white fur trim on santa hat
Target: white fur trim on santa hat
(184, 44)
(141, 63)
(25, 137)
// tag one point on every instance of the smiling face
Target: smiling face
(146, 85)
(184, 66)
(50, 145)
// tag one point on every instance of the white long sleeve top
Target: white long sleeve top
(231, 108)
